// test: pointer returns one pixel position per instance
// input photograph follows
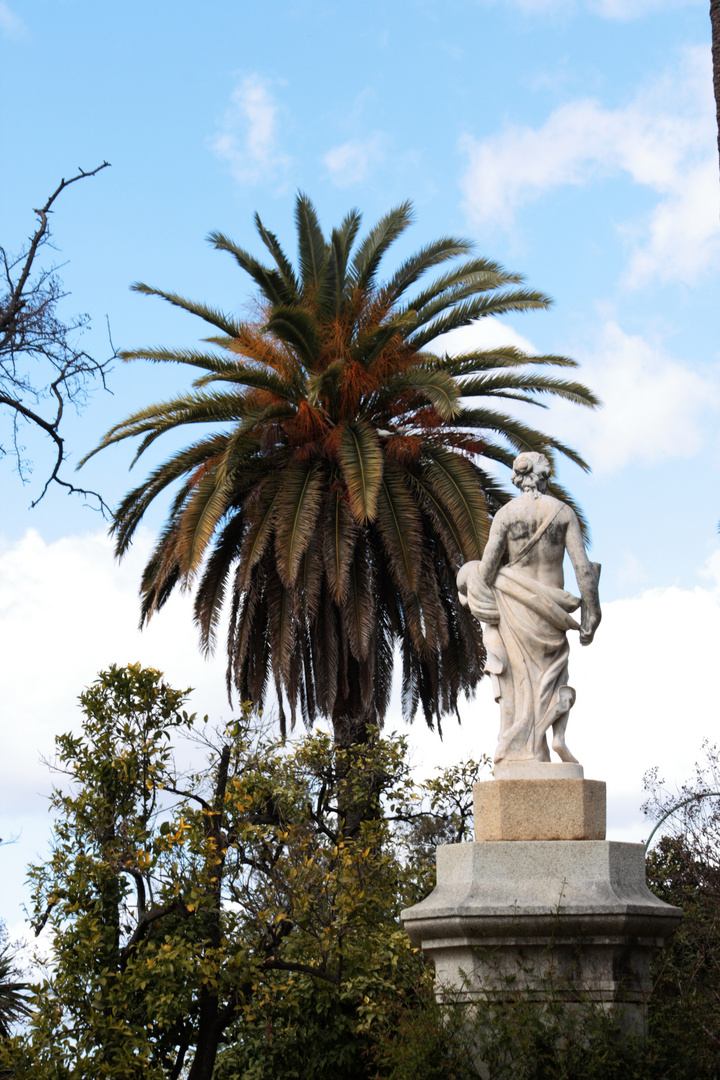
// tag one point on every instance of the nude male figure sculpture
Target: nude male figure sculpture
(517, 592)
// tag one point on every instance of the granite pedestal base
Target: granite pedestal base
(564, 920)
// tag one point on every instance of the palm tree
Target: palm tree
(350, 477)
(13, 1004)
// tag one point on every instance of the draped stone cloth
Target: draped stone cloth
(526, 624)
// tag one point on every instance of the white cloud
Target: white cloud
(622, 10)
(68, 610)
(664, 140)
(351, 162)
(488, 333)
(684, 233)
(248, 136)
(655, 407)
(11, 24)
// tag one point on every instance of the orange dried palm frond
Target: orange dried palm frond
(403, 449)
(253, 344)
(356, 383)
(394, 359)
(427, 418)
(308, 425)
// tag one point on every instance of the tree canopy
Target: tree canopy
(189, 914)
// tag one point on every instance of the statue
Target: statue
(517, 592)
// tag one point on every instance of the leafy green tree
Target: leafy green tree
(351, 477)
(684, 869)
(221, 911)
(221, 924)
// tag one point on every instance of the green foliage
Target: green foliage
(684, 869)
(231, 906)
(241, 921)
(353, 473)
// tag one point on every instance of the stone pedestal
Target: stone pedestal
(560, 919)
(539, 810)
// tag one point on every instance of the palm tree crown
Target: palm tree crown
(349, 479)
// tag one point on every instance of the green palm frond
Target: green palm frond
(521, 436)
(465, 313)
(506, 356)
(271, 282)
(132, 508)
(312, 246)
(255, 380)
(156, 419)
(370, 343)
(324, 385)
(297, 328)
(260, 512)
(338, 543)
(399, 524)
(431, 255)
(564, 495)
(282, 627)
(298, 505)
(439, 389)
(451, 479)
(209, 361)
(472, 279)
(284, 265)
(212, 587)
(13, 1002)
(208, 314)
(388, 229)
(444, 521)
(496, 385)
(208, 501)
(358, 607)
(343, 240)
(361, 461)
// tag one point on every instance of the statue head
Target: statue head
(531, 472)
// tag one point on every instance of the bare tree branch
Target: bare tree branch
(39, 359)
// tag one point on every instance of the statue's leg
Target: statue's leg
(566, 700)
(542, 753)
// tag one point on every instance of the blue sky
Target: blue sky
(572, 141)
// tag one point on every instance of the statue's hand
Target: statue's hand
(589, 624)
(463, 578)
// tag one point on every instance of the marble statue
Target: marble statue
(517, 592)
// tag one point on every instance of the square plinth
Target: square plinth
(540, 809)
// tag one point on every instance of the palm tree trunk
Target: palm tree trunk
(715, 25)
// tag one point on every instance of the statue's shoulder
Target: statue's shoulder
(506, 513)
(558, 506)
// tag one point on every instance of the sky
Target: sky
(573, 141)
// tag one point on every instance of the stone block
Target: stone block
(556, 921)
(567, 809)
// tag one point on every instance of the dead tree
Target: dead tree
(42, 368)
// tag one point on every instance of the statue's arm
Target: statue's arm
(587, 579)
(486, 568)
